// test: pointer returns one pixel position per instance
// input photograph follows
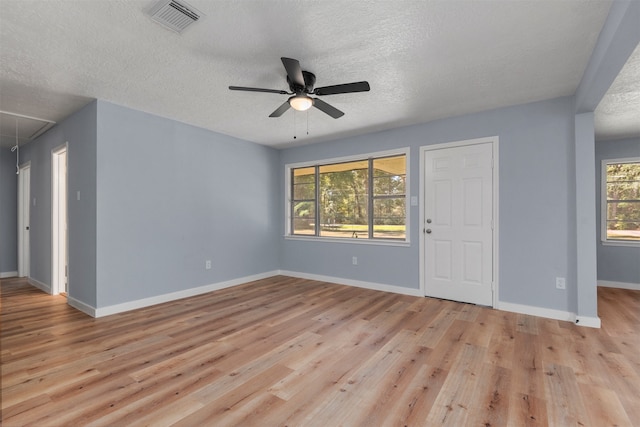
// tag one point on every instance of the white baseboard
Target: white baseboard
(159, 299)
(7, 274)
(357, 283)
(549, 313)
(567, 316)
(621, 285)
(38, 284)
(591, 322)
(79, 305)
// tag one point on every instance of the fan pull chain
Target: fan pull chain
(307, 122)
(294, 125)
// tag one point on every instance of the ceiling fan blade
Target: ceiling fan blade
(326, 108)
(280, 110)
(257, 89)
(293, 71)
(343, 88)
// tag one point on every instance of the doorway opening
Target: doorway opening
(59, 240)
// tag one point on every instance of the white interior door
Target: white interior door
(59, 220)
(24, 197)
(458, 211)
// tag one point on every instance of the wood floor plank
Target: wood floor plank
(454, 402)
(491, 406)
(604, 407)
(239, 373)
(528, 378)
(527, 411)
(126, 404)
(292, 352)
(368, 385)
(625, 380)
(562, 390)
(416, 401)
(235, 399)
(389, 389)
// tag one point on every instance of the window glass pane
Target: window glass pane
(623, 201)
(304, 217)
(301, 175)
(345, 167)
(624, 190)
(304, 191)
(389, 175)
(623, 171)
(343, 200)
(304, 183)
(389, 204)
(389, 218)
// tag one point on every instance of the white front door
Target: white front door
(24, 196)
(458, 215)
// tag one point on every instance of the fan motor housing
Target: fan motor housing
(309, 82)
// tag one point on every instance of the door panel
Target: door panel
(443, 209)
(458, 211)
(442, 264)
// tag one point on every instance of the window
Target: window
(621, 201)
(356, 198)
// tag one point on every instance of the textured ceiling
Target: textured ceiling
(424, 60)
(618, 114)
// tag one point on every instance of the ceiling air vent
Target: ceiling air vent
(174, 15)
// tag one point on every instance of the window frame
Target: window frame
(369, 157)
(605, 240)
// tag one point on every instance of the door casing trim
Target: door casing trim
(56, 286)
(21, 238)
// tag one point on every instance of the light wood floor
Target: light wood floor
(293, 352)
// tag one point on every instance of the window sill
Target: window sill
(627, 243)
(378, 242)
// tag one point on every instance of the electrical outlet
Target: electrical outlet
(207, 264)
(354, 260)
(561, 283)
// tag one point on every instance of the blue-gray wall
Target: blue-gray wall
(536, 175)
(617, 40)
(79, 130)
(171, 196)
(615, 263)
(8, 212)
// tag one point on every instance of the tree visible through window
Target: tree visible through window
(622, 188)
(356, 199)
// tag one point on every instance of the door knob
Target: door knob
(428, 231)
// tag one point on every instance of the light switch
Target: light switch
(77, 195)
(414, 200)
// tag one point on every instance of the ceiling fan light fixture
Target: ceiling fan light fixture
(300, 102)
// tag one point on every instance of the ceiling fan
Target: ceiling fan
(301, 86)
